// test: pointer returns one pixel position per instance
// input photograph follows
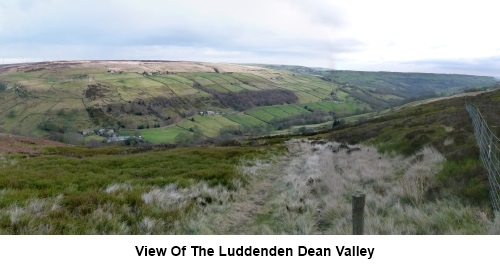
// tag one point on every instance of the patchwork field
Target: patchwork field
(57, 100)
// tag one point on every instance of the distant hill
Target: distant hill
(385, 89)
(166, 101)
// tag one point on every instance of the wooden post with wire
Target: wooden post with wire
(358, 208)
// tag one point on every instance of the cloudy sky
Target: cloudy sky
(382, 35)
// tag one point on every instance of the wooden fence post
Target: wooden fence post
(358, 208)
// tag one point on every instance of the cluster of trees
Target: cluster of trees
(95, 91)
(98, 116)
(153, 106)
(52, 126)
(302, 119)
(156, 106)
(248, 99)
(195, 136)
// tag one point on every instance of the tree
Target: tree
(302, 130)
(3, 86)
(336, 122)
(183, 138)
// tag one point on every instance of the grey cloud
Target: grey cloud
(322, 12)
(282, 31)
(489, 66)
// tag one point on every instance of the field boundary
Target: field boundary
(489, 147)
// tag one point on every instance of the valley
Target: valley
(238, 149)
(180, 102)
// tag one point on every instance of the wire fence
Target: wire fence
(489, 147)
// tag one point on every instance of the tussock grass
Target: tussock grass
(80, 191)
(420, 174)
(316, 186)
(6, 161)
(236, 208)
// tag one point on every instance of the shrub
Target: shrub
(419, 178)
(11, 114)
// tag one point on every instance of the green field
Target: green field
(163, 135)
(261, 114)
(245, 120)
(209, 126)
(267, 114)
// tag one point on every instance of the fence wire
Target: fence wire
(489, 146)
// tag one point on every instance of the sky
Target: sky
(403, 36)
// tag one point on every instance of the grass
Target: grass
(446, 126)
(209, 125)
(276, 112)
(101, 191)
(261, 114)
(292, 109)
(245, 120)
(178, 87)
(267, 114)
(309, 192)
(163, 135)
(410, 83)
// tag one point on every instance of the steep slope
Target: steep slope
(444, 125)
(385, 89)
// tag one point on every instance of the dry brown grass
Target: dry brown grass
(25, 145)
(312, 194)
(153, 66)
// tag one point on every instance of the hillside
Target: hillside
(14, 144)
(444, 125)
(418, 165)
(386, 89)
(159, 100)
(87, 102)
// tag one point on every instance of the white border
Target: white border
(121, 249)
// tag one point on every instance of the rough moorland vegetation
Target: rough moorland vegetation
(114, 190)
(444, 125)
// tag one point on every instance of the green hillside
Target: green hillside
(385, 89)
(166, 102)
